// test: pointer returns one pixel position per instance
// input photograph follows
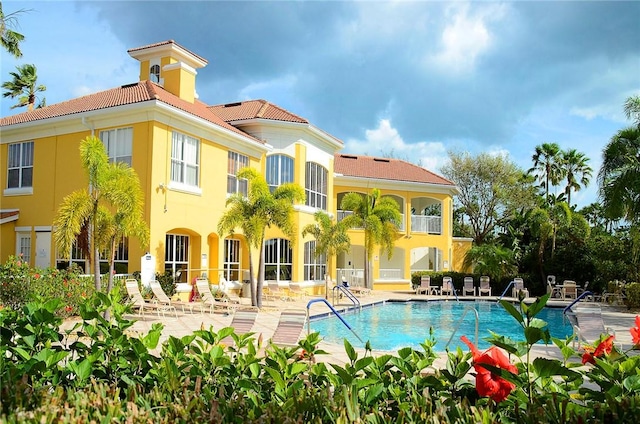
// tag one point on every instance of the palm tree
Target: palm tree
(490, 259)
(255, 213)
(10, 39)
(545, 224)
(331, 238)
(546, 164)
(576, 171)
(632, 109)
(24, 86)
(619, 176)
(87, 213)
(127, 221)
(377, 216)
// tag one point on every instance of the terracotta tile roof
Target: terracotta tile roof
(384, 169)
(165, 43)
(142, 91)
(8, 215)
(253, 109)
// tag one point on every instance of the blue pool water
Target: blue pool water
(395, 325)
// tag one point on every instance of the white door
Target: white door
(43, 249)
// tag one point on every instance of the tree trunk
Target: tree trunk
(260, 283)
(252, 288)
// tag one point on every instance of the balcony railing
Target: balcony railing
(426, 224)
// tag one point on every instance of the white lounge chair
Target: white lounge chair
(163, 299)
(139, 302)
(447, 286)
(468, 286)
(289, 328)
(425, 285)
(518, 286)
(208, 299)
(569, 289)
(588, 325)
(485, 286)
(242, 323)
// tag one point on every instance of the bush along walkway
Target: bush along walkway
(103, 373)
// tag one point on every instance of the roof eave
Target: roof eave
(368, 182)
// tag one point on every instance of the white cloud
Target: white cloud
(465, 38)
(385, 140)
(268, 89)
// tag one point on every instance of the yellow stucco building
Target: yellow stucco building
(187, 154)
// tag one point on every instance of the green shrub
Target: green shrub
(633, 295)
(20, 284)
(167, 282)
(100, 372)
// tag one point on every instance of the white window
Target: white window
(277, 260)
(314, 267)
(279, 170)
(232, 260)
(316, 186)
(20, 165)
(185, 159)
(76, 256)
(176, 256)
(154, 73)
(119, 144)
(236, 162)
(23, 246)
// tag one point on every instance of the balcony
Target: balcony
(426, 224)
(343, 214)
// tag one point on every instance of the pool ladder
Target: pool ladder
(332, 310)
(348, 294)
(466, 310)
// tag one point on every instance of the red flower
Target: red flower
(635, 332)
(68, 308)
(36, 276)
(488, 383)
(604, 347)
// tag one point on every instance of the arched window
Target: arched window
(314, 267)
(316, 186)
(154, 74)
(277, 260)
(279, 170)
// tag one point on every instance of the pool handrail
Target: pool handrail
(312, 301)
(455, 330)
(584, 294)
(349, 295)
(511, 283)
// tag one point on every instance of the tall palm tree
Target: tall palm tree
(331, 238)
(24, 86)
(545, 224)
(127, 220)
(255, 213)
(377, 216)
(576, 171)
(619, 176)
(546, 164)
(109, 208)
(10, 39)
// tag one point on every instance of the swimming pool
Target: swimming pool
(400, 324)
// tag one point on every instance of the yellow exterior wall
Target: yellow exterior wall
(406, 240)
(460, 248)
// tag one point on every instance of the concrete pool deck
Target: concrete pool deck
(614, 317)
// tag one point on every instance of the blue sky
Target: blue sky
(414, 79)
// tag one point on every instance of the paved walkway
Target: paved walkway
(615, 317)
